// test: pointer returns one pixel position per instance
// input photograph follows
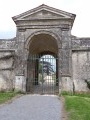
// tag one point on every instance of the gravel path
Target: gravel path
(32, 107)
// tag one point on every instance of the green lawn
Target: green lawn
(77, 107)
(4, 96)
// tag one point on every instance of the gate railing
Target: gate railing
(42, 74)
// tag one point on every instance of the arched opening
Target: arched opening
(42, 70)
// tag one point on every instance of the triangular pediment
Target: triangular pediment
(44, 12)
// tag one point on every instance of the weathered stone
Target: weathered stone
(45, 30)
(20, 83)
(7, 78)
(67, 84)
(81, 69)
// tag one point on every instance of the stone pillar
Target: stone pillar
(66, 61)
(60, 69)
(20, 81)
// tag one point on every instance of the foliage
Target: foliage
(45, 67)
(54, 76)
(66, 93)
(4, 96)
(78, 106)
(75, 94)
(40, 68)
(41, 78)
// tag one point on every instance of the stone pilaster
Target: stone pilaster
(66, 61)
(20, 81)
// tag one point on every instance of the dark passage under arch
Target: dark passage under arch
(42, 70)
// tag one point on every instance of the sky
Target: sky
(10, 8)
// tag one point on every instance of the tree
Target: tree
(45, 67)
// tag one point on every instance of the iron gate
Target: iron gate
(42, 74)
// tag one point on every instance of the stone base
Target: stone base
(20, 83)
(67, 84)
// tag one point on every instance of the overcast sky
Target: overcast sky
(10, 8)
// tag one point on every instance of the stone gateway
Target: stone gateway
(43, 40)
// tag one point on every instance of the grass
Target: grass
(5, 96)
(78, 106)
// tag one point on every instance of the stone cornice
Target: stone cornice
(24, 27)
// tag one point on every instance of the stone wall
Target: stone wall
(81, 70)
(80, 66)
(8, 44)
(80, 63)
(73, 53)
(67, 84)
(7, 64)
(80, 43)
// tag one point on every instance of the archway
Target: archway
(42, 70)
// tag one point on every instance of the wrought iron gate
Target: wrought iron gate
(42, 74)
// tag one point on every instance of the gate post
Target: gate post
(60, 69)
(66, 61)
(21, 70)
